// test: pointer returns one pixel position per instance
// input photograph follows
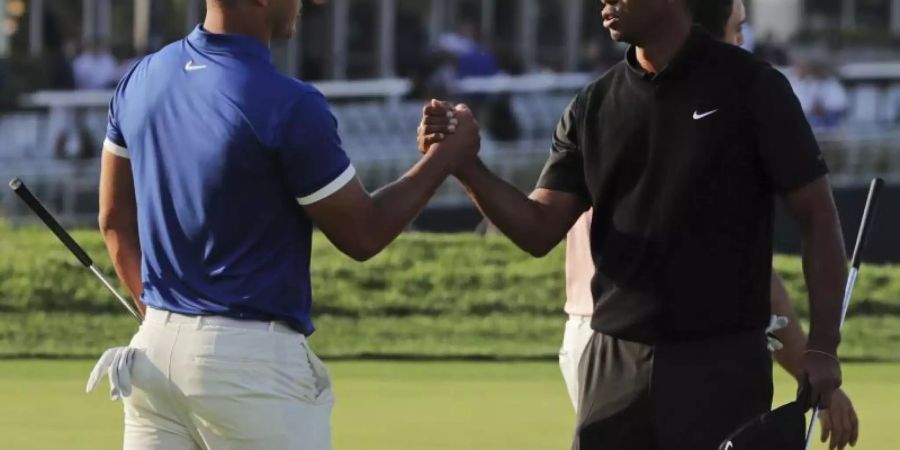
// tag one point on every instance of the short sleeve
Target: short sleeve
(564, 170)
(785, 141)
(310, 154)
(115, 140)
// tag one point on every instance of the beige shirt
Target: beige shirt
(579, 267)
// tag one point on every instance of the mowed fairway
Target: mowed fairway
(390, 406)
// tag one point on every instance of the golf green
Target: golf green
(391, 406)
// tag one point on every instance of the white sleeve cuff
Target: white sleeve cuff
(330, 188)
(115, 149)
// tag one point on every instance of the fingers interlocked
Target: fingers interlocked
(438, 121)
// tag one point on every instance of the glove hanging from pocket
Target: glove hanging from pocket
(776, 323)
(116, 362)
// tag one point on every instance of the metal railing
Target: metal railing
(382, 149)
(69, 188)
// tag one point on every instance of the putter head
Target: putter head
(781, 429)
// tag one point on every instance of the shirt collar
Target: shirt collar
(229, 43)
(689, 54)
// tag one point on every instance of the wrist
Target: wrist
(442, 160)
(820, 354)
(466, 169)
(821, 342)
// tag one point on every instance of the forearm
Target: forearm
(825, 269)
(125, 252)
(397, 204)
(790, 357)
(515, 214)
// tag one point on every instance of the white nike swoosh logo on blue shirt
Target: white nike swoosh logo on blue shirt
(190, 67)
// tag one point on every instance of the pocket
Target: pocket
(564, 353)
(565, 342)
(324, 394)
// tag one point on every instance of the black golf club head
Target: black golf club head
(781, 429)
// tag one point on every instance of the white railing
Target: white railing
(388, 89)
(383, 149)
(70, 187)
(882, 73)
(382, 88)
(530, 83)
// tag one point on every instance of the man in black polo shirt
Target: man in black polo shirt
(680, 150)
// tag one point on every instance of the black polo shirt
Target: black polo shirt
(682, 169)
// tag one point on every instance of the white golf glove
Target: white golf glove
(775, 324)
(117, 363)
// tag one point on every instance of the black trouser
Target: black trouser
(684, 396)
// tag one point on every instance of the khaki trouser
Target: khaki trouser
(219, 384)
(575, 339)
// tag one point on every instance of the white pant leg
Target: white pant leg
(253, 389)
(575, 339)
(154, 420)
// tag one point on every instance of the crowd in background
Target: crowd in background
(86, 67)
(435, 69)
(463, 53)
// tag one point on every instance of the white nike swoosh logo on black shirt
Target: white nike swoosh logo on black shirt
(698, 116)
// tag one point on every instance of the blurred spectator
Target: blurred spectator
(62, 75)
(412, 43)
(126, 60)
(439, 74)
(472, 59)
(821, 94)
(770, 50)
(74, 140)
(601, 53)
(95, 68)
(461, 54)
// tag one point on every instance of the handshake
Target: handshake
(449, 130)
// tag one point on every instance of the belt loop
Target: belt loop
(272, 326)
(198, 323)
(166, 316)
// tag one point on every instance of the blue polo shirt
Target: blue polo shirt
(224, 152)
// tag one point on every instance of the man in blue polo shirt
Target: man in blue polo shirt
(215, 169)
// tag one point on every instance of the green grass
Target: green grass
(391, 406)
(494, 336)
(427, 295)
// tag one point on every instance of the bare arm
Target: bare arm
(362, 224)
(118, 222)
(824, 260)
(535, 223)
(825, 270)
(791, 356)
(840, 421)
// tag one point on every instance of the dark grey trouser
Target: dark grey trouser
(670, 396)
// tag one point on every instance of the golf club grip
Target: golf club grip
(22, 191)
(868, 213)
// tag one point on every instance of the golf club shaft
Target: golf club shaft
(868, 213)
(127, 304)
(38, 208)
